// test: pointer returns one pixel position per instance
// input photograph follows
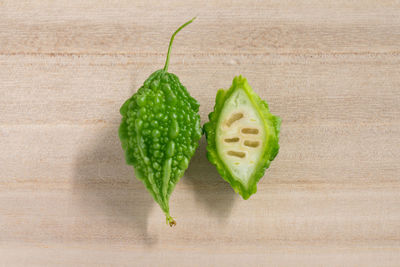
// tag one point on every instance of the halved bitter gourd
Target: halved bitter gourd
(242, 136)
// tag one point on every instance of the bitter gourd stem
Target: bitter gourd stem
(172, 39)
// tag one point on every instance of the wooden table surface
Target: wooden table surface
(330, 69)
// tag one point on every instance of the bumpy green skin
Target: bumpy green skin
(159, 132)
(271, 147)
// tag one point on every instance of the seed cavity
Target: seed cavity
(251, 143)
(236, 154)
(232, 140)
(233, 118)
(250, 131)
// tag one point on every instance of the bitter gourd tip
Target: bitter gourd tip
(170, 221)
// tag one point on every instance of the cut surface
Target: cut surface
(242, 136)
(239, 136)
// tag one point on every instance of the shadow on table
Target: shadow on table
(210, 189)
(106, 187)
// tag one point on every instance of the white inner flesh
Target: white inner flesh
(240, 136)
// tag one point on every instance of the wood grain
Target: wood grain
(330, 69)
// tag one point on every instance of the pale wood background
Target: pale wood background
(330, 69)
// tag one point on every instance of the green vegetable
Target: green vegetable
(160, 131)
(242, 136)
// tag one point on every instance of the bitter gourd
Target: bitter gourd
(242, 136)
(160, 131)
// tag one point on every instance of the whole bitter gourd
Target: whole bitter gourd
(160, 131)
(242, 136)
